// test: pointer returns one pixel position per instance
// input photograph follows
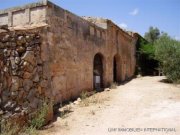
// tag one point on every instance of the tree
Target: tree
(167, 52)
(152, 35)
(149, 50)
(146, 64)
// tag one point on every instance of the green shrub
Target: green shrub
(167, 51)
(40, 116)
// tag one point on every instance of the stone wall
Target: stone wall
(22, 85)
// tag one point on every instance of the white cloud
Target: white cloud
(177, 38)
(123, 25)
(134, 12)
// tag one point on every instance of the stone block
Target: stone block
(29, 57)
(27, 84)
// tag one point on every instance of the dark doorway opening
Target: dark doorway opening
(117, 70)
(114, 70)
(98, 72)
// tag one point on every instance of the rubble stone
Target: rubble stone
(27, 84)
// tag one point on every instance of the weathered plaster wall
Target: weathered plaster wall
(72, 44)
(27, 15)
(71, 50)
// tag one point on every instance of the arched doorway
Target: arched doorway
(117, 69)
(98, 72)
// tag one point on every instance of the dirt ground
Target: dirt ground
(143, 106)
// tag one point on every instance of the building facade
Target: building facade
(72, 54)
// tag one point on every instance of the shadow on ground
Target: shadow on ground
(166, 81)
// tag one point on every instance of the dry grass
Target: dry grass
(9, 128)
(65, 110)
(92, 112)
(93, 100)
(113, 85)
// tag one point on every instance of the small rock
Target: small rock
(10, 106)
(72, 104)
(27, 67)
(17, 60)
(36, 78)
(7, 53)
(27, 84)
(21, 41)
(28, 38)
(12, 39)
(107, 89)
(23, 112)
(6, 38)
(21, 50)
(31, 95)
(44, 83)
(2, 45)
(1, 112)
(15, 83)
(39, 89)
(7, 115)
(38, 37)
(29, 57)
(76, 102)
(14, 94)
(21, 95)
(5, 96)
(79, 99)
(14, 72)
(61, 110)
(5, 69)
(13, 65)
(39, 69)
(39, 61)
(17, 109)
(14, 53)
(27, 75)
(29, 49)
(25, 106)
(34, 103)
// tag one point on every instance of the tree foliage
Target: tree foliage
(152, 35)
(159, 51)
(149, 50)
(167, 52)
(147, 63)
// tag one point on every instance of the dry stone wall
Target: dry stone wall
(21, 74)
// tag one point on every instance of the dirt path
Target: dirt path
(142, 103)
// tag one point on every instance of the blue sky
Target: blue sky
(135, 15)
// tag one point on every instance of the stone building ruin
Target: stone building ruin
(48, 52)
